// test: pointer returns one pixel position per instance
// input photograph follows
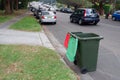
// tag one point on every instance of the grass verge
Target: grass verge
(27, 24)
(32, 63)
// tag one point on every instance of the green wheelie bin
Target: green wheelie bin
(87, 51)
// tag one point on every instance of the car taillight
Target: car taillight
(43, 17)
(85, 13)
(55, 17)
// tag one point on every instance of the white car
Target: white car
(47, 17)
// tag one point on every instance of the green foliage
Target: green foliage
(78, 3)
(107, 8)
(88, 4)
(117, 5)
(23, 4)
(1, 5)
(60, 5)
(96, 5)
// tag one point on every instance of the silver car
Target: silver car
(47, 17)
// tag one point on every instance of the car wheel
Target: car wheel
(80, 22)
(54, 22)
(113, 18)
(37, 17)
(40, 22)
(95, 23)
(71, 20)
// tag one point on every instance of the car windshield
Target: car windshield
(51, 13)
(69, 9)
(48, 13)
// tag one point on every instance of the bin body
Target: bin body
(87, 50)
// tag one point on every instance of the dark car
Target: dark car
(37, 12)
(32, 9)
(66, 10)
(116, 15)
(85, 15)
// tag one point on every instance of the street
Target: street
(108, 58)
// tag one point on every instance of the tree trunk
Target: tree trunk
(101, 10)
(12, 5)
(75, 7)
(7, 7)
(16, 4)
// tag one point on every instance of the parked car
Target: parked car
(85, 15)
(116, 15)
(37, 12)
(32, 9)
(52, 9)
(66, 10)
(47, 17)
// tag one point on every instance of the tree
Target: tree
(76, 3)
(100, 4)
(7, 7)
(11, 5)
(117, 4)
(16, 4)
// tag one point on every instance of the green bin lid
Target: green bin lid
(86, 36)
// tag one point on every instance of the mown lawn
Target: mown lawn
(32, 63)
(28, 23)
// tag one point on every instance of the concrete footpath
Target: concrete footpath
(8, 36)
(21, 37)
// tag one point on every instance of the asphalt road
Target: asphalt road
(109, 51)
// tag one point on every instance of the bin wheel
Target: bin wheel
(83, 70)
(75, 62)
